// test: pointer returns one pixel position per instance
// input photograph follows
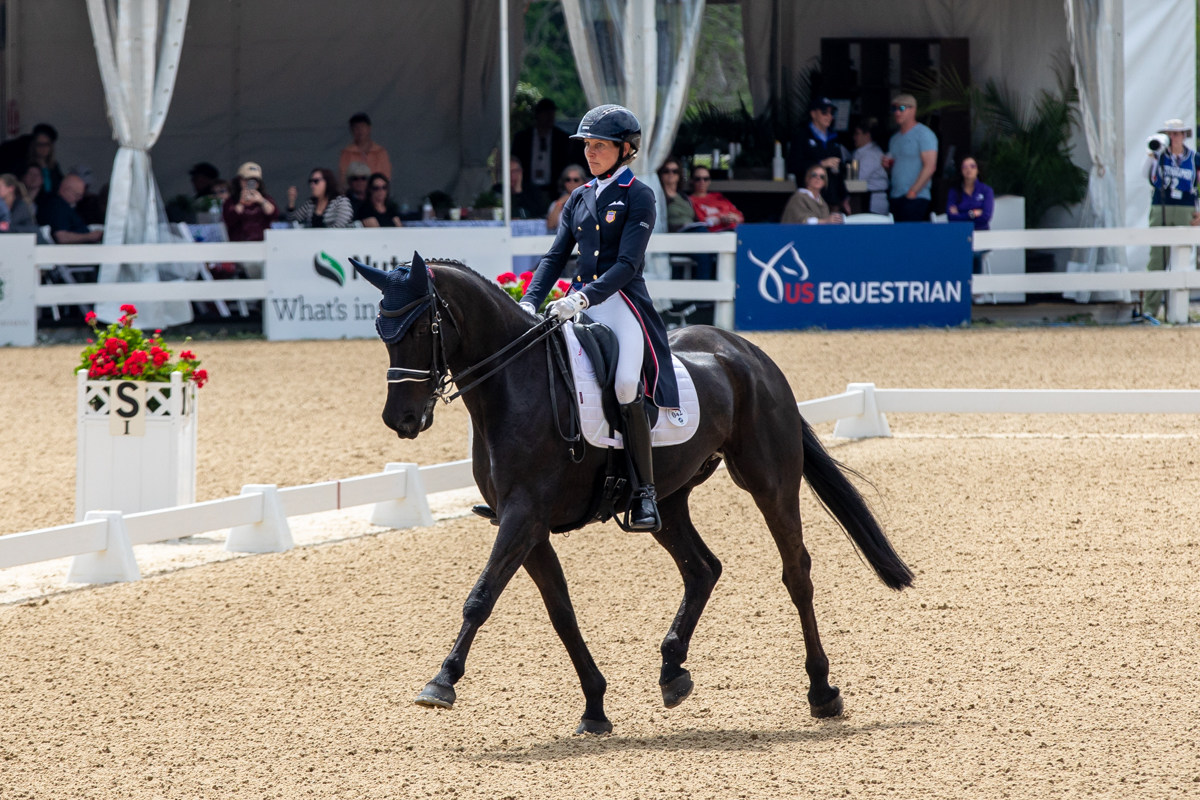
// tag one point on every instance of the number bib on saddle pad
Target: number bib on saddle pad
(674, 426)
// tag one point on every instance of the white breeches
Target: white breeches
(614, 312)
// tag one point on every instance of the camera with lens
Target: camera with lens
(1157, 142)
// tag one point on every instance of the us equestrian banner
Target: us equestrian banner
(853, 276)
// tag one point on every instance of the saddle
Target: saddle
(600, 344)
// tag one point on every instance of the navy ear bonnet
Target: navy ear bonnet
(406, 296)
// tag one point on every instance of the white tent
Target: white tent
(1149, 68)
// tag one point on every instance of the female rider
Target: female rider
(611, 218)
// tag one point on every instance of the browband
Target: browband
(401, 312)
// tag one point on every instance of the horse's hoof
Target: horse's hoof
(676, 690)
(596, 726)
(831, 708)
(435, 695)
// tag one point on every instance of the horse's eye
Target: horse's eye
(423, 329)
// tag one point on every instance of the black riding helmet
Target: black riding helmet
(612, 123)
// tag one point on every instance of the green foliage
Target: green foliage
(523, 101)
(548, 65)
(720, 74)
(1024, 149)
(487, 199)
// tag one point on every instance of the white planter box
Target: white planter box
(135, 473)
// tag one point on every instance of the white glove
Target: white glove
(569, 306)
(529, 309)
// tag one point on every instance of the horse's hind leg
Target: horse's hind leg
(772, 476)
(700, 570)
(543, 566)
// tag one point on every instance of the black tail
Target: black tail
(842, 500)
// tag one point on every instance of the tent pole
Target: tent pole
(505, 113)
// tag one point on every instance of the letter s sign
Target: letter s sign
(127, 409)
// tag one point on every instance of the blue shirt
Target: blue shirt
(906, 148)
(982, 198)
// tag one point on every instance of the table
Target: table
(759, 201)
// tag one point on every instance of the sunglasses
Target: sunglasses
(818, 178)
(357, 178)
(901, 108)
(379, 187)
(701, 180)
(316, 180)
(670, 172)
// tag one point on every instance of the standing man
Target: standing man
(912, 160)
(544, 152)
(870, 165)
(363, 149)
(1172, 172)
(817, 144)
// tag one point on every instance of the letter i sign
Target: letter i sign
(127, 409)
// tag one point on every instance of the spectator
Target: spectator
(358, 175)
(571, 179)
(15, 153)
(363, 149)
(526, 202)
(680, 213)
(912, 160)
(544, 150)
(1171, 170)
(249, 210)
(220, 191)
(971, 200)
(16, 202)
(817, 144)
(380, 210)
(326, 208)
(58, 211)
(91, 207)
(712, 208)
(807, 205)
(870, 165)
(31, 178)
(41, 155)
(203, 176)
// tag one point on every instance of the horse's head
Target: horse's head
(407, 323)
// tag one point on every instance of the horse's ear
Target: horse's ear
(376, 277)
(418, 278)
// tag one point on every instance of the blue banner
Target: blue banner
(853, 276)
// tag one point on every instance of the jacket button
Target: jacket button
(595, 277)
(597, 227)
(581, 227)
(579, 278)
(596, 253)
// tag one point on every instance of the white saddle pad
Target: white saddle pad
(674, 426)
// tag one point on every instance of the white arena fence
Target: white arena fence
(102, 545)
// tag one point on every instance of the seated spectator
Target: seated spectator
(91, 207)
(526, 201)
(363, 149)
(971, 200)
(712, 208)
(680, 213)
(870, 166)
(358, 175)
(571, 179)
(326, 208)
(380, 210)
(249, 210)
(41, 155)
(16, 202)
(31, 177)
(220, 191)
(807, 206)
(58, 211)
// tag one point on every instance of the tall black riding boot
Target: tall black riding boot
(643, 508)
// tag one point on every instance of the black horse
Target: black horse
(526, 472)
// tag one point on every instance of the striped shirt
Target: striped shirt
(338, 213)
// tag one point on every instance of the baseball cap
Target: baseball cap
(820, 103)
(357, 169)
(250, 170)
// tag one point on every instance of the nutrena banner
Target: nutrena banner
(853, 276)
(313, 291)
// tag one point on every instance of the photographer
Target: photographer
(1171, 169)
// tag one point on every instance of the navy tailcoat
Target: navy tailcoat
(612, 231)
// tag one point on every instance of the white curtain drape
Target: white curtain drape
(138, 44)
(1097, 56)
(639, 54)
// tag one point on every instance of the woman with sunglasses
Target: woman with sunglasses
(807, 206)
(571, 179)
(680, 213)
(379, 210)
(326, 208)
(712, 208)
(610, 218)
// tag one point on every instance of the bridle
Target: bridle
(443, 381)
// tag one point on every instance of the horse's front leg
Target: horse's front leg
(520, 531)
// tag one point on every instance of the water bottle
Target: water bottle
(777, 165)
(427, 210)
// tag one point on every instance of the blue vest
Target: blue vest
(1176, 185)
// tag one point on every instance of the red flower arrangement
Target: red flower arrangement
(121, 351)
(517, 286)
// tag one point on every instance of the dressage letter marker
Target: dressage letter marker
(127, 409)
